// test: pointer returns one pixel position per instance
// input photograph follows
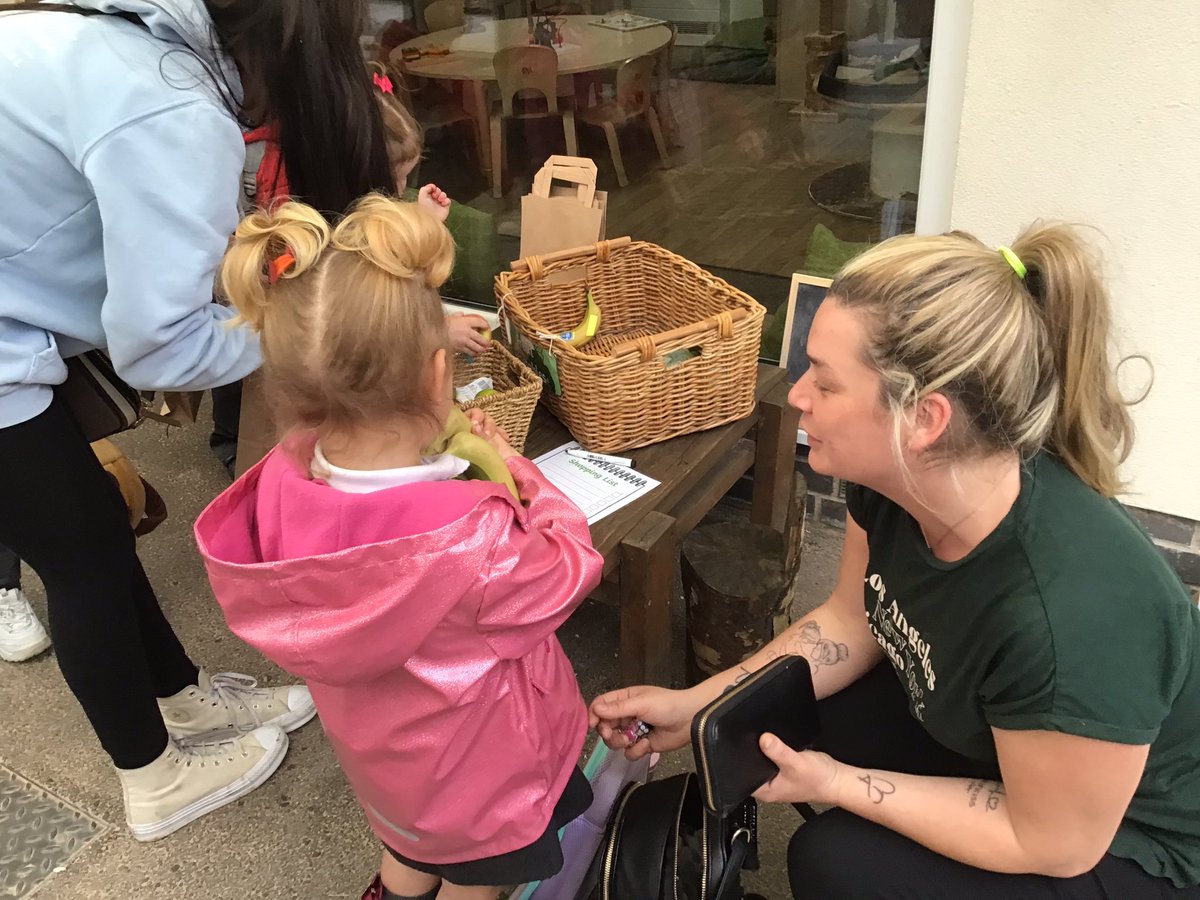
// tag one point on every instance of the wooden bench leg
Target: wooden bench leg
(647, 581)
(775, 459)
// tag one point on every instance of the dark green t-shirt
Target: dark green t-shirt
(1065, 618)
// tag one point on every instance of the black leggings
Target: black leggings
(63, 515)
(839, 856)
(10, 569)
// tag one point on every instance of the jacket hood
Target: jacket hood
(184, 22)
(345, 616)
(177, 21)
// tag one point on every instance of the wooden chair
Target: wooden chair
(527, 78)
(635, 88)
(661, 98)
(443, 14)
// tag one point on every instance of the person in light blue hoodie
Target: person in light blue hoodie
(121, 127)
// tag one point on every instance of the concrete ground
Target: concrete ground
(302, 834)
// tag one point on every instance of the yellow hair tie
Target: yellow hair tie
(1015, 261)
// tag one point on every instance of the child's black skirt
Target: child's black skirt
(536, 862)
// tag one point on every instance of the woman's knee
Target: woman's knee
(816, 855)
(826, 858)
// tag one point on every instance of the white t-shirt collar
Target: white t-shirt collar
(363, 481)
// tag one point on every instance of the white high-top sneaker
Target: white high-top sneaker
(196, 775)
(21, 634)
(230, 700)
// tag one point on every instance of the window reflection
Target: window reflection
(758, 138)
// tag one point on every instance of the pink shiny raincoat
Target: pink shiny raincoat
(422, 617)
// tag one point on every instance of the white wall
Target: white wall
(1089, 110)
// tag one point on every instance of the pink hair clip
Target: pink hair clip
(382, 82)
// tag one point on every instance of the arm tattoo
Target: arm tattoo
(877, 788)
(819, 651)
(994, 794)
(742, 675)
(805, 641)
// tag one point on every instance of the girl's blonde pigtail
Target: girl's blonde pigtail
(400, 238)
(270, 248)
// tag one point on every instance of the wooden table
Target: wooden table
(640, 542)
(586, 48)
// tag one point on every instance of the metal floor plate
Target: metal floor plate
(39, 833)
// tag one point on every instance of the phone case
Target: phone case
(779, 699)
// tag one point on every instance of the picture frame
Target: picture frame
(804, 296)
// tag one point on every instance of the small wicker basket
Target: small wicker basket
(677, 349)
(517, 390)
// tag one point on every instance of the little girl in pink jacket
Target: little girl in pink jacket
(419, 607)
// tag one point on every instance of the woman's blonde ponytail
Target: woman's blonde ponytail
(1020, 344)
(261, 240)
(1092, 431)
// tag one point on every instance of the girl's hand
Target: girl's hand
(805, 776)
(483, 425)
(670, 712)
(465, 336)
(434, 201)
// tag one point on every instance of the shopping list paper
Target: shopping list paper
(598, 489)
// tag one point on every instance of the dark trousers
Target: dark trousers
(63, 515)
(839, 856)
(10, 570)
(227, 414)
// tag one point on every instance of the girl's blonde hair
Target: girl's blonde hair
(401, 132)
(348, 328)
(1025, 361)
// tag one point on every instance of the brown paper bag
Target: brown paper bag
(182, 407)
(256, 428)
(564, 209)
(177, 408)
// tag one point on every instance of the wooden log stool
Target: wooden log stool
(738, 580)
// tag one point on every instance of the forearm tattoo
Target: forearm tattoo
(989, 793)
(806, 641)
(742, 674)
(877, 788)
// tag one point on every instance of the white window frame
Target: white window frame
(943, 114)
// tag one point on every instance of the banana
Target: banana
(588, 327)
(457, 439)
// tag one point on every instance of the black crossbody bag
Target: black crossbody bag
(99, 400)
(663, 844)
(690, 836)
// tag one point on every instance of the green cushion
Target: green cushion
(827, 253)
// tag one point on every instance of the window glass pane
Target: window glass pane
(790, 130)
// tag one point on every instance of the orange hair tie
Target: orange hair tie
(279, 265)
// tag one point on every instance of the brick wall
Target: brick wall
(1179, 540)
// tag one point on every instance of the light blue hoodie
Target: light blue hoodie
(119, 179)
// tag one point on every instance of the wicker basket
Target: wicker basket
(517, 390)
(677, 350)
